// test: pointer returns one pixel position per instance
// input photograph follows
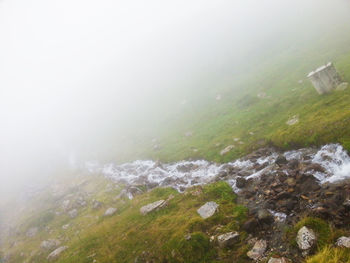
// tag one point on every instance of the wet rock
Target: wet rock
(153, 206)
(228, 240)
(241, 182)
(250, 225)
(343, 242)
(264, 216)
(258, 250)
(56, 253)
(50, 244)
(32, 232)
(110, 211)
(208, 209)
(279, 260)
(306, 238)
(281, 160)
(73, 213)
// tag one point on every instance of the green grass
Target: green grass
(331, 255)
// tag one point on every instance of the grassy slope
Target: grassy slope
(257, 122)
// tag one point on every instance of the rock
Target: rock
(227, 149)
(73, 213)
(96, 204)
(50, 244)
(153, 206)
(281, 160)
(208, 209)
(258, 250)
(306, 238)
(343, 242)
(265, 216)
(66, 205)
(278, 260)
(55, 254)
(292, 121)
(342, 86)
(66, 226)
(227, 240)
(250, 225)
(241, 182)
(110, 211)
(32, 232)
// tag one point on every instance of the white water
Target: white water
(181, 175)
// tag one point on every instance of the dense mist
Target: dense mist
(77, 77)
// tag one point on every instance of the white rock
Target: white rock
(208, 209)
(110, 211)
(306, 238)
(278, 260)
(151, 207)
(55, 254)
(50, 244)
(258, 250)
(343, 242)
(65, 227)
(227, 149)
(228, 239)
(293, 120)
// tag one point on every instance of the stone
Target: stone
(343, 242)
(110, 211)
(292, 121)
(153, 206)
(73, 213)
(208, 209)
(66, 226)
(258, 250)
(342, 86)
(306, 238)
(50, 244)
(250, 225)
(96, 204)
(55, 254)
(32, 232)
(278, 260)
(227, 149)
(241, 182)
(66, 205)
(227, 240)
(281, 160)
(264, 216)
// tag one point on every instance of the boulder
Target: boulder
(264, 216)
(50, 244)
(228, 240)
(73, 213)
(55, 254)
(110, 211)
(208, 209)
(306, 238)
(153, 206)
(258, 250)
(343, 242)
(250, 225)
(278, 260)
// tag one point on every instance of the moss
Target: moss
(331, 255)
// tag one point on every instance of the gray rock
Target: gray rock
(228, 239)
(96, 204)
(65, 227)
(73, 213)
(279, 260)
(264, 216)
(110, 211)
(56, 253)
(50, 244)
(32, 232)
(258, 250)
(153, 206)
(241, 182)
(343, 242)
(306, 238)
(226, 149)
(208, 209)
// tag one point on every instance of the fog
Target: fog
(77, 76)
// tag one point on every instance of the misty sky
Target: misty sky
(71, 70)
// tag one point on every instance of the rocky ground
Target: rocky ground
(280, 189)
